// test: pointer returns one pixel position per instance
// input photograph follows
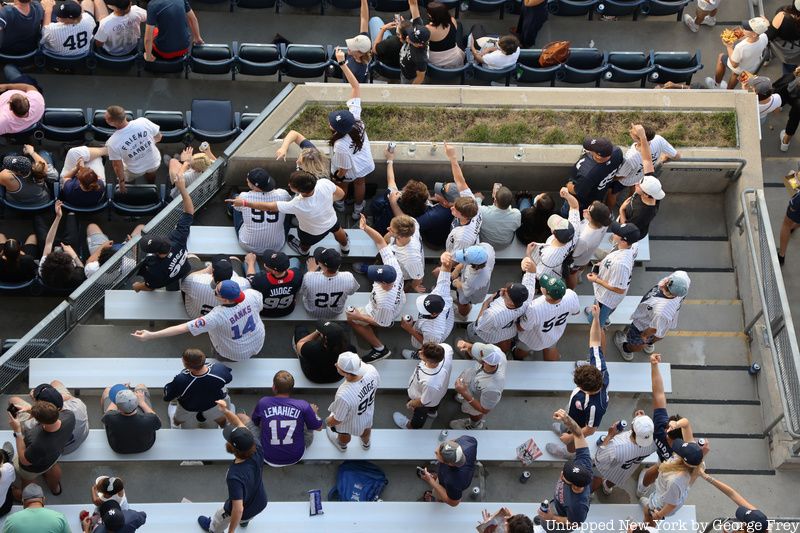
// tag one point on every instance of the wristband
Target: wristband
(244, 202)
(341, 63)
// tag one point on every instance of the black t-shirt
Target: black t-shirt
(159, 272)
(131, 434)
(456, 479)
(388, 51)
(279, 293)
(43, 448)
(591, 178)
(533, 225)
(639, 213)
(434, 225)
(359, 70)
(24, 269)
(413, 59)
(245, 483)
(317, 362)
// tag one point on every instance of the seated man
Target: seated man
(71, 34)
(199, 286)
(495, 53)
(20, 26)
(501, 219)
(167, 33)
(21, 105)
(129, 419)
(196, 390)
(119, 32)
(279, 281)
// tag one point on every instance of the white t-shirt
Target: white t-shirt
(498, 59)
(632, 170)
(71, 160)
(135, 146)
(411, 256)
(7, 477)
(488, 388)
(589, 239)
(315, 214)
(748, 54)
(477, 281)
(358, 164)
(120, 34)
(773, 103)
(429, 385)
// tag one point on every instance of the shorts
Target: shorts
(351, 180)
(791, 214)
(211, 414)
(363, 311)
(633, 336)
(707, 6)
(308, 240)
(522, 346)
(466, 408)
(476, 297)
(472, 334)
(166, 55)
(95, 241)
(617, 187)
(130, 177)
(25, 474)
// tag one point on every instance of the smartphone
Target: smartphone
(13, 409)
(397, 18)
(596, 268)
(420, 471)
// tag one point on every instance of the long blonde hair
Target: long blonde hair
(314, 162)
(679, 466)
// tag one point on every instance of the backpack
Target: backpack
(554, 53)
(358, 481)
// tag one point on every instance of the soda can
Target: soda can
(204, 146)
(600, 440)
(443, 435)
(701, 442)
(407, 318)
(754, 369)
(525, 476)
(475, 493)
(545, 506)
(391, 146)
(622, 425)
(350, 309)
(315, 502)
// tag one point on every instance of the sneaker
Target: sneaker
(644, 501)
(606, 489)
(723, 84)
(467, 423)
(334, 438)
(400, 420)
(171, 410)
(689, 21)
(781, 258)
(709, 21)
(360, 267)
(365, 445)
(558, 450)
(9, 449)
(339, 205)
(204, 522)
(244, 523)
(166, 158)
(784, 147)
(357, 210)
(410, 354)
(648, 349)
(587, 312)
(294, 244)
(711, 83)
(376, 355)
(619, 342)
(458, 398)
(345, 249)
(558, 428)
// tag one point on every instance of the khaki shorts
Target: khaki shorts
(27, 475)
(131, 177)
(468, 409)
(211, 415)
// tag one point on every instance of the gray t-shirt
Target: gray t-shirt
(499, 225)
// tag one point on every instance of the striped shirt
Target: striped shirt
(69, 39)
(617, 460)
(498, 323)
(198, 292)
(385, 306)
(429, 385)
(461, 237)
(437, 329)
(617, 270)
(543, 322)
(585, 409)
(325, 297)
(632, 171)
(411, 256)
(476, 282)
(657, 311)
(357, 164)
(262, 230)
(236, 332)
(548, 257)
(354, 403)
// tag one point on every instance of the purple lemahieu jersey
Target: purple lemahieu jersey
(283, 422)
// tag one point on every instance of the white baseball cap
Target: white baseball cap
(359, 43)
(652, 187)
(643, 427)
(488, 353)
(350, 363)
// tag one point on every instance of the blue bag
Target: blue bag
(358, 481)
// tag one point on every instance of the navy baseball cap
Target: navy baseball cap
(627, 232)
(261, 179)
(599, 145)
(341, 121)
(230, 290)
(221, 267)
(18, 164)
(430, 304)
(518, 293)
(47, 393)
(276, 260)
(688, 451)
(239, 437)
(418, 34)
(381, 273)
(112, 516)
(753, 519)
(156, 245)
(577, 474)
(69, 10)
(329, 257)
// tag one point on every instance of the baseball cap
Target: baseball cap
(577, 474)
(643, 427)
(688, 451)
(753, 519)
(350, 363)
(561, 227)
(341, 121)
(111, 515)
(332, 332)
(627, 232)
(430, 304)
(418, 34)
(599, 145)
(678, 284)
(757, 25)
(452, 453)
(239, 436)
(381, 273)
(47, 393)
(69, 10)
(157, 245)
(518, 293)
(448, 190)
(261, 179)
(126, 401)
(32, 492)
(474, 255)
(651, 186)
(276, 260)
(230, 290)
(554, 286)
(488, 353)
(18, 164)
(221, 267)
(359, 43)
(761, 85)
(329, 257)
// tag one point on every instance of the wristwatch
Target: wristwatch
(342, 62)
(16, 434)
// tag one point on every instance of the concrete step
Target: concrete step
(692, 382)
(707, 216)
(688, 255)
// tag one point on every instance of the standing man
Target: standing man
(435, 320)
(71, 34)
(20, 27)
(129, 419)
(551, 255)
(287, 424)
(791, 221)
(385, 302)
(497, 320)
(545, 319)
(166, 34)
(258, 230)
(199, 286)
(246, 494)
(479, 389)
(427, 386)
(404, 238)
(279, 282)
(34, 517)
(132, 148)
(196, 390)
(615, 272)
(633, 169)
(620, 453)
(456, 468)
(234, 326)
(654, 317)
(414, 53)
(354, 405)
(325, 288)
(472, 275)
(21, 106)
(593, 172)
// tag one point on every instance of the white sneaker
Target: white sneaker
(467, 423)
(606, 489)
(784, 147)
(558, 450)
(711, 83)
(648, 349)
(339, 205)
(619, 342)
(410, 354)
(171, 409)
(558, 428)
(334, 438)
(644, 502)
(358, 209)
(689, 21)
(723, 84)
(709, 21)
(400, 420)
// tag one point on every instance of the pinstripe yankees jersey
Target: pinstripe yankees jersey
(236, 332)
(69, 39)
(411, 256)
(544, 323)
(429, 385)
(476, 282)
(617, 270)
(354, 403)
(461, 237)
(385, 306)
(549, 256)
(657, 311)
(262, 230)
(498, 323)
(325, 297)
(198, 292)
(588, 410)
(632, 170)
(437, 329)
(617, 460)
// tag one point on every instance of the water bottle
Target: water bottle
(407, 318)
(525, 476)
(601, 8)
(608, 75)
(204, 146)
(350, 309)
(600, 440)
(622, 425)
(443, 435)
(475, 493)
(391, 146)
(754, 369)
(701, 442)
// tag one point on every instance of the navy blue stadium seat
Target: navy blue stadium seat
(529, 71)
(305, 60)
(390, 6)
(629, 67)
(301, 4)
(345, 4)
(257, 4)
(585, 65)
(212, 59)
(65, 124)
(618, 8)
(116, 63)
(383, 70)
(494, 74)
(174, 128)
(256, 59)
(435, 73)
(8, 203)
(657, 8)
(245, 119)
(213, 120)
(487, 6)
(84, 61)
(100, 129)
(571, 8)
(102, 205)
(21, 60)
(166, 66)
(138, 200)
(677, 67)
(229, 2)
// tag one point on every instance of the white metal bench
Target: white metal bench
(528, 376)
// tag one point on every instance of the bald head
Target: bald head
(283, 382)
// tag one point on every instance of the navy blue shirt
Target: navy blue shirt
(660, 423)
(159, 272)
(359, 70)
(169, 16)
(20, 33)
(133, 521)
(588, 410)
(566, 503)
(198, 393)
(434, 225)
(245, 483)
(72, 194)
(456, 479)
(793, 211)
(591, 179)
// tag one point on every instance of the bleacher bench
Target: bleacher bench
(165, 305)
(349, 517)
(211, 240)
(529, 376)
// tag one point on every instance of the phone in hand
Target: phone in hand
(13, 409)
(596, 268)
(420, 472)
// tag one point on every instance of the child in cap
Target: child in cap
(359, 47)
(465, 234)
(190, 165)
(472, 275)
(614, 272)
(71, 34)
(107, 488)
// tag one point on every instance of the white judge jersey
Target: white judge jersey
(325, 297)
(354, 404)
(262, 230)
(236, 332)
(461, 237)
(617, 460)
(544, 323)
(657, 311)
(198, 294)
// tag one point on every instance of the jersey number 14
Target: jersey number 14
(249, 326)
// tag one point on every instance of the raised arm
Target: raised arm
(230, 416)
(571, 200)
(595, 332)
(376, 237)
(348, 74)
(16, 87)
(644, 150)
(363, 15)
(51, 234)
(291, 137)
(659, 398)
(379, 37)
(455, 168)
(413, 6)
(188, 205)
(391, 183)
(573, 427)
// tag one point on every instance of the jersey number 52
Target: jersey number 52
(555, 321)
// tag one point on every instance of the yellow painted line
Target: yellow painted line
(684, 333)
(712, 302)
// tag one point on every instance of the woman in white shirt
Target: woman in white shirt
(497, 55)
(675, 476)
